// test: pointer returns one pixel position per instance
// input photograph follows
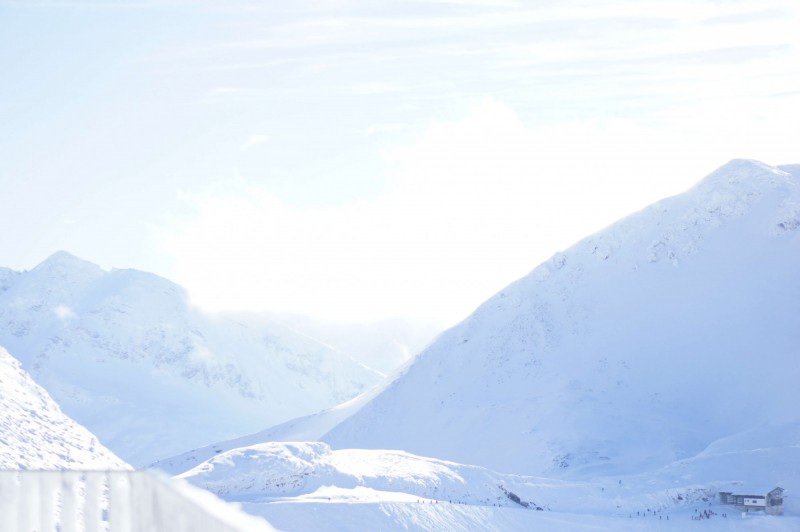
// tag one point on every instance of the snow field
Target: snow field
(307, 485)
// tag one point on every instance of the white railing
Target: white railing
(113, 501)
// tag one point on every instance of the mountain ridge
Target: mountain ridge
(645, 311)
(117, 348)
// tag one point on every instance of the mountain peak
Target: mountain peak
(63, 261)
(62, 256)
(745, 173)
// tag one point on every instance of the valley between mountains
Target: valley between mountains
(620, 385)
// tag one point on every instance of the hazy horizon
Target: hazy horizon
(364, 160)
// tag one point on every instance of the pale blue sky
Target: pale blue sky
(360, 159)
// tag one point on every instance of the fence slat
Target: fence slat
(49, 495)
(95, 495)
(69, 518)
(119, 503)
(28, 516)
(9, 500)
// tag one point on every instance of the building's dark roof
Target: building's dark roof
(754, 489)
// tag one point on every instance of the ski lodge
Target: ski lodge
(771, 503)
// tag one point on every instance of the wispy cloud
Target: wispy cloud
(91, 4)
(608, 91)
(376, 129)
(64, 312)
(229, 94)
(373, 87)
(252, 140)
(453, 42)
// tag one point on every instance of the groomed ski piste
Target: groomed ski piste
(309, 486)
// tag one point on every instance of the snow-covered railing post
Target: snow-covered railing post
(70, 511)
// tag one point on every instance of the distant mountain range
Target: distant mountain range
(642, 370)
(624, 381)
(639, 346)
(125, 354)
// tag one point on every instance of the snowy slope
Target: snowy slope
(35, 434)
(306, 428)
(308, 486)
(126, 355)
(7, 278)
(392, 515)
(639, 346)
(268, 470)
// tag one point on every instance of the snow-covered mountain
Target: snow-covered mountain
(125, 354)
(638, 346)
(35, 433)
